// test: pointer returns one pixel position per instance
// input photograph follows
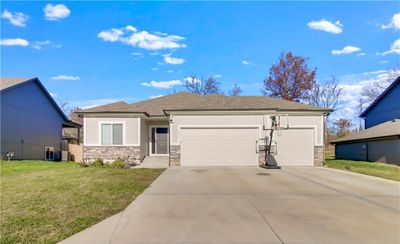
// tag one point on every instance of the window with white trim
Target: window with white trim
(111, 134)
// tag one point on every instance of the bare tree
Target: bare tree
(326, 94)
(202, 87)
(373, 90)
(236, 91)
(342, 127)
(360, 109)
(290, 79)
(64, 106)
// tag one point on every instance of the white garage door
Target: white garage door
(295, 147)
(218, 146)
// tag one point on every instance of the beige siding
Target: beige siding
(131, 130)
(295, 121)
(144, 138)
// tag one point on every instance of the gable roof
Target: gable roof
(387, 129)
(11, 83)
(395, 83)
(185, 101)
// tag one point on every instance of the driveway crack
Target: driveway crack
(265, 219)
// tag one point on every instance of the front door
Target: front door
(159, 141)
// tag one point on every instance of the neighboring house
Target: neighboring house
(386, 107)
(31, 121)
(380, 141)
(194, 130)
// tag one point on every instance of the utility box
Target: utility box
(65, 156)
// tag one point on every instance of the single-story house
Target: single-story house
(31, 121)
(194, 130)
(380, 143)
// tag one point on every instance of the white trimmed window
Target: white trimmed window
(111, 134)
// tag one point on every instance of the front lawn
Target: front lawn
(45, 202)
(386, 171)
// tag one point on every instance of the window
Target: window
(111, 134)
(49, 153)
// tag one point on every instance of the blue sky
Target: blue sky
(89, 53)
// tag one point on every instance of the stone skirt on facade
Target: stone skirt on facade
(111, 153)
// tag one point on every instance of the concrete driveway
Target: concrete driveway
(245, 204)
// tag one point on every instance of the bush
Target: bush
(119, 163)
(84, 163)
(98, 163)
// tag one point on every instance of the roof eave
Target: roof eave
(389, 88)
(365, 139)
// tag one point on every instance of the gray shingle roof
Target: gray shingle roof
(9, 82)
(189, 101)
(389, 128)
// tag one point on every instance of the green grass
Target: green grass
(386, 171)
(45, 202)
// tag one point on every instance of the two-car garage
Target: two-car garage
(237, 146)
(219, 146)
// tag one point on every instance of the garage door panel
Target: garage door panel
(218, 146)
(295, 147)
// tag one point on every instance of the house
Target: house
(31, 121)
(194, 130)
(385, 108)
(380, 141)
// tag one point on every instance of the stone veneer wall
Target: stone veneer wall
(174, 155)
(319, 156)
(111, 153)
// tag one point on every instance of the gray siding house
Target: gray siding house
(31, 121)
(380, 141)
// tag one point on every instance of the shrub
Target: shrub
(119, 163)
(84, 163)
(98, 163)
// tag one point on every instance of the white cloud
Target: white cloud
(246, 62)
(53, 94)
(217, 76)
(38, 45)
(346, 50)
(375, 72)
(162, 84)
(156, 96)
(142, 39)
(16, 18)
(361, 54)
(191, 80)
(14, 42)
(395, 22)
(384, 62)
(171, 60)
(136, 54)
(56, 12)
(394, 48)
(325, 25)
(352, 86)
(155, 68)
(65, 77)
(131, 28)
(112, 35)
(170, 71)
